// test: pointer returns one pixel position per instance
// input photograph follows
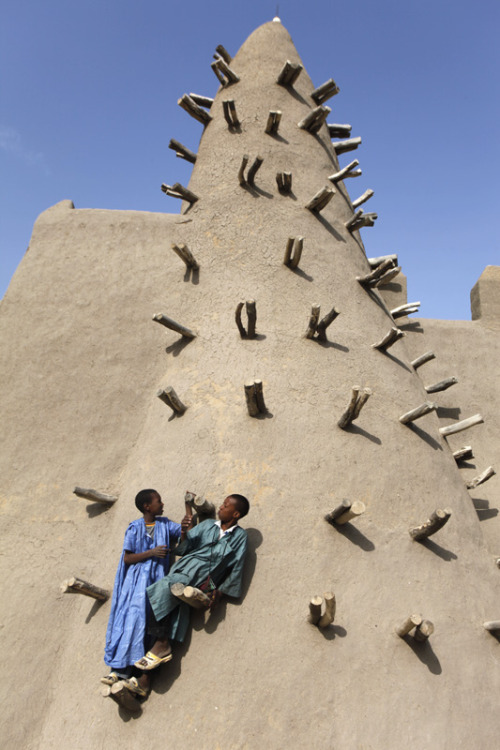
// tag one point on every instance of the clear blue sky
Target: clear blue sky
(88, 105)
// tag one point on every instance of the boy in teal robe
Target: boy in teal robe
(213, 555)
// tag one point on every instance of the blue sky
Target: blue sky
(88, 106)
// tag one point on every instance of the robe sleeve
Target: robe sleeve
(131, 541)
(193, 538)
(231, 586)
(174, 529)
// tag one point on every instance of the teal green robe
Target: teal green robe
(203, 555)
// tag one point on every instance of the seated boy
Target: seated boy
(213, 555)
(145, 559)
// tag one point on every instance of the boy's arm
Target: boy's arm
(231, 586)
(129, 558)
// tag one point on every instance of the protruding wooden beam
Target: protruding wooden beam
(350, 144)
(346, 172)
(463, 454)
(360, 219)
(433, 524)
(170, 398)
(325, 322)
(315, 609)
(442, 385)
(423, 631)
(464, 424)
(273, 121)
(224, 73)
(372, 279)
(190, 595)
(237, 317)
(252, 317)
(492, 625)
(95, 497)
(374, 262)
(193, 109)
(419, 361)
(164, 320)
(330, 606)
(363, 198)
(313, 321)
(199, 504)
(179, 191)
(483, 477)
(402, 310)
(313, 121)
(289, 73)
(325, 91)
(77, 586)
(284, 182)
(345, 512)
(293, 251)
(229, 109)
(182, 151)
(321, 199)
(202, 101)
(241, 173)
(255, 398)
(358, 399)
(418, 412)
(407, 626)
(390, 338)
(336, 130)
(222, 52)
(185, 255)
(254, 169)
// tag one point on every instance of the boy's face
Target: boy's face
(227, 511)
(155, 505)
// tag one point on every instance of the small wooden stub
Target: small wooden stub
(464, 424)
(350, 144)
(414, 621)
(492, 625)
(179, 191)
(325, 91)
(289, 73)
(229, 109)
(345, 512)
(293, 251)
(359, 397)
(284, 182)
(77, 586)
(481, 478)
(348, 171)
(374, 262)
(423, 631)
(463, 454)
(185, 255)
(390, 338)
(363, 198)
(122, 695)
(360, 220)
(418, 412)
(313, 121)
(251, 316)
(254, 395)
(222, 52)
(375, 276)
(225, 75)
(273, 122)
(326, 603)
(193, 109)
(419, 361)
(320, 199)
(190, 595)
(442, 385)
(182, 151)
(170, 398)
(202, 101)
(313, 321)
(95, 497)
(433, 524)
(164, 320)
(250, 178)
(402, 310)
(336, 130)
(317, 328)
(199, 504)
(315, 609)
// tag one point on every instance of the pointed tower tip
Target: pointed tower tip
(276, 19)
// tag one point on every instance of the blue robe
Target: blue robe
(126, 634)
(203, 554)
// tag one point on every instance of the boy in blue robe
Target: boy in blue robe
(145, 559)
(213, 555)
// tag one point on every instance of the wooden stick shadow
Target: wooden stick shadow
(483, 510)
(441, 552)
(355, 429)
(333, 631)
(176, 348)
(424, 436)
(425, 653)
(355, 536)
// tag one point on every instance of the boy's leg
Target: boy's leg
(161, 647)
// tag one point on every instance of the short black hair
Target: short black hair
(144, 497)
(242, 504)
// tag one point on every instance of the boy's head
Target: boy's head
(233, 508)
(149, 501)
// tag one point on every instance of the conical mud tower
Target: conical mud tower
(268, 221)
